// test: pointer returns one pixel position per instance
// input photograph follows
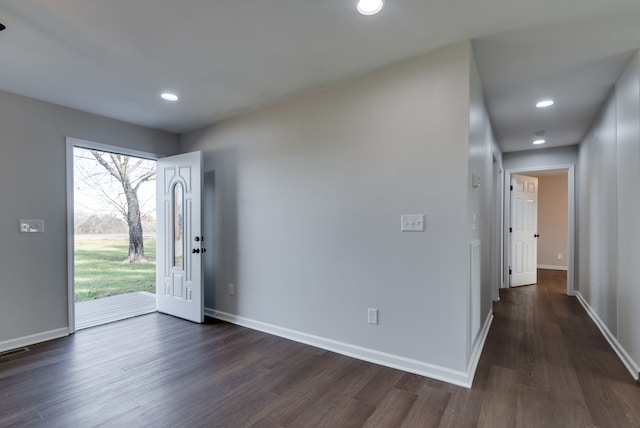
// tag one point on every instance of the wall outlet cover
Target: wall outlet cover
(372, 316)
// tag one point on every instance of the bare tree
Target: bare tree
(130, 173)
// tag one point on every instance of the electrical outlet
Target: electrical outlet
(372, 316)
(232, 289)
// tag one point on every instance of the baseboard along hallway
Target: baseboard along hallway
(545, 363)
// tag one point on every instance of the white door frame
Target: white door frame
(497, 210)
(571, 205)
(71, 143)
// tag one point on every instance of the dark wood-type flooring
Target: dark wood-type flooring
(545, 364)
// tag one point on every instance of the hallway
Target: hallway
(545, 364)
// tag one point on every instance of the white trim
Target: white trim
(70, 144)
(475, 291)
(444, 374)
(552, 267)
(632, 366)
(19, 342)
(109, 148)
(571, 227)
(476, 352)
(496, 242)
(572, 248)
(70, 236)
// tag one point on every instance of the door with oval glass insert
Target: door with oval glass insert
(180, 246)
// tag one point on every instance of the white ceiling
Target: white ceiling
(223, 57)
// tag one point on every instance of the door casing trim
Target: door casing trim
(70, 144)
(571, 232)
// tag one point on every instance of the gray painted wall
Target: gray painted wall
(33, 185)
(482, 146)
(609, 202)
(597, 225)
(628, 178)
(539, 158)
(305, 198)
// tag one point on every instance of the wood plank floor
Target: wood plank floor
(113, 308)
(545, 364)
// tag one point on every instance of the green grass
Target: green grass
(101, 272)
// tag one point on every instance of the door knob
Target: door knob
(196, 251)
(197, 239)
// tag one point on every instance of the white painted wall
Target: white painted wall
(304, 204)
(609, 202)
(32, 184)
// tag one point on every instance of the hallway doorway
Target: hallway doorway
(555, 233)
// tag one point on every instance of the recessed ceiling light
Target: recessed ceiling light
(168, 96)
(538, 142)
(544, 103)
(369, 7)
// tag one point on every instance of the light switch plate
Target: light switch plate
(412, 223)
(31, 226)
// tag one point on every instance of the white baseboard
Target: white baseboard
(552, 267)
(444, 374)
(32, 339)
(476, 350)
(632, 366)
(208, 312)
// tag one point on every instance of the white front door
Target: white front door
(180, 245)
(524, 230)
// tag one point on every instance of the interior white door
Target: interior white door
(180, 245)
(524, 230)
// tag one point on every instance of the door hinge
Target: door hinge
(510, 271)
(511, 230)
(511, 188)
